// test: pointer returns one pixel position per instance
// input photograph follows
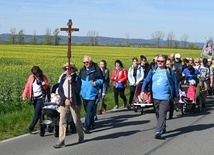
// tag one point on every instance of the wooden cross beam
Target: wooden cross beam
(69, 30)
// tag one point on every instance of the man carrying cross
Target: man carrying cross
(69, 91)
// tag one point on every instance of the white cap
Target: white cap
(177, 55)
(192, 82)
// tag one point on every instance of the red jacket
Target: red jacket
(29, 89)
(120, 75)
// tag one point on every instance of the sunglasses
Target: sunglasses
(160, 61)
(86, 62)
(66, 68)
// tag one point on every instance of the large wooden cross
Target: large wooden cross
(69, 30)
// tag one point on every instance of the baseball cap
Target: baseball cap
(177, 55)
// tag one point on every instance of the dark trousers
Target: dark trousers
(132, 91)
(90, 109)
(38, 104)
(171, 108)
(120, 91)
(161, 107)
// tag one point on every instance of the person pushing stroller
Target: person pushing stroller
(73, 105)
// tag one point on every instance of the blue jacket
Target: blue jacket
(88, 91)
(174, 91)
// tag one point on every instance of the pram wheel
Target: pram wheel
(42, 131)
(135, 108)
(50, 128)
(142, 112)
(56, 132)
(183, 109)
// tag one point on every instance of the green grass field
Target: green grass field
(17, 60)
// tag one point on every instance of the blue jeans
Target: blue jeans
(37, 112)
(89, 106)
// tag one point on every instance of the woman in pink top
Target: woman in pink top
(36, 89)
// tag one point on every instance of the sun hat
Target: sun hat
(64, 66)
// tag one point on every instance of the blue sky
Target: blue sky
(111, 18)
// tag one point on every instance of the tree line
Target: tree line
(19, 38)
(54, 39)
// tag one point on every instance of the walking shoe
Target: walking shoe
(158, 135)
(92, 126)
(129, 106)
(116, 107)
(163, 131)
(170, 117)
(95, 117)
(29, 130)
(59, 145)
(81, 140)
(99, 112)
(86, 131)
(105, 108)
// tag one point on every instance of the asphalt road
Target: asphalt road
(124, 132)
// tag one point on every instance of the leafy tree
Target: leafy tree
(21, 38)
(48, 38)
(56, 36)
(12, 36)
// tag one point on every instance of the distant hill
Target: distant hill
(103, 41)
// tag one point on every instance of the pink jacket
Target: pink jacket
(29, 88)
(191, 92)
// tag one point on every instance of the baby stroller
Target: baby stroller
(186, 104)
(50, 114)
(138, 103)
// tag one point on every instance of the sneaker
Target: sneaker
(29, 130)
(92, 125)
(116, 107)
(99, 112)
(59, 144)
(95, 117)
(86, 131)
(81, 140)
(158, 135)
(124, 105)
(105, 108)
(129, 106)
(170, 117)
(163, 131)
